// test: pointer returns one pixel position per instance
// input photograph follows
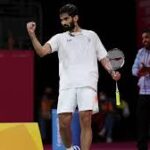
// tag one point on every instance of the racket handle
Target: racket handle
(117, 98)
(117, 95)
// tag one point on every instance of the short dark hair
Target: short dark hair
(147, 30)
(70, 9)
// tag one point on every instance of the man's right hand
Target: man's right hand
(31, 26)
(40, 50)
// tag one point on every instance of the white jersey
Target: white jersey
(78, 54)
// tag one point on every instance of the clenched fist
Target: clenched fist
(116, 75)
(31, 26)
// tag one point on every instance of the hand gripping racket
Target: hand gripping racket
(117, 60)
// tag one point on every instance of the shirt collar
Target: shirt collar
(76, 33)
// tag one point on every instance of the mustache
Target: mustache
(66, 25)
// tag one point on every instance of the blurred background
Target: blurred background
(28, 81)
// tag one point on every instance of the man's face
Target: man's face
(146, 40)
(67, 22)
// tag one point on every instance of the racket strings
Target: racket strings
(116, 58)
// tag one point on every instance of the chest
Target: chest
(77, 44)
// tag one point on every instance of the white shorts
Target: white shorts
(84, 98)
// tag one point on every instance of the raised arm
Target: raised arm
(40, 50)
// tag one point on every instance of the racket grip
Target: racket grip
(117, 98)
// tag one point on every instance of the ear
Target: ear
(76, 18)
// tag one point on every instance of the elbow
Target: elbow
(134, 73)
(41, 55)
(42, 52)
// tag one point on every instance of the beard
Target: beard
(69, 27)
(147, 45)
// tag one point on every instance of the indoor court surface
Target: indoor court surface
(104, 146)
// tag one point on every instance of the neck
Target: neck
(76, 29)
(147, 48)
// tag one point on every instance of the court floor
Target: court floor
(129, 145)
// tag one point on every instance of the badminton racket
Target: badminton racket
(117, 60)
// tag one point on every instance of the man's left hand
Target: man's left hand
(116, 75)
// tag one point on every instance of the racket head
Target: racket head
(117, 58)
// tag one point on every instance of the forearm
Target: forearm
(40, 50)
(107, 65)
(135, 71)
(144, 71)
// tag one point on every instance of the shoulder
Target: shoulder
(62, 34)
(89, 32)
(141, 51)
(58, 36)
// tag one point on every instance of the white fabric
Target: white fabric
(71, 148)
(78, 54)
(85, 98)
